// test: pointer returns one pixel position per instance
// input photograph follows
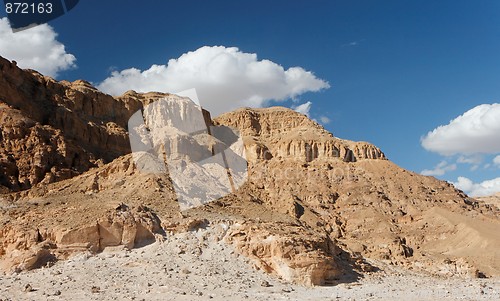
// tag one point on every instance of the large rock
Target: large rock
(301, 256)
(25, 249)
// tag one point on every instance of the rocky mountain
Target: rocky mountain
(314, 209)
(55, 130)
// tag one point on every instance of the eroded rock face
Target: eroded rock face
(31, 153)
(303, 257)
(93, 119)
(51, 130)
(285, 134)
(25, 250)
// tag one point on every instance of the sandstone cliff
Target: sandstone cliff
(282, 133)
(78, 125)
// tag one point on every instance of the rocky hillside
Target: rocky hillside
(315, 209)
(55, 130)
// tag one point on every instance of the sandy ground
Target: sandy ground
(197, 266)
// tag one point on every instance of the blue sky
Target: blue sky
(396, 69)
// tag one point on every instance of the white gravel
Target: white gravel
(196, 266)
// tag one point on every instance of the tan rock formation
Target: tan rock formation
(77, 124)
(301, 256)
(34, 248)
(282, 133)
(32, 153)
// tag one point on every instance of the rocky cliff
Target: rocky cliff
(54, 130)
(314, 209)
(85, 127)
(282, 133)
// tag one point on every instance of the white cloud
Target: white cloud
(224, 77)
(485, 188)
(324, 119)
(464, 184)
(303, 108)
(476, 131)
(474, 160)
(496, 161)
(440, 169)
(35, 48)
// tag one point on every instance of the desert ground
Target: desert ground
(198, 266)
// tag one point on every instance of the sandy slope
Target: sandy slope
(199, 266)
(476, 239)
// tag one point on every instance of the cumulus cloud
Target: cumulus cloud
(224, 77)
(496, 161)
(476, 131)
(303, 108)
(35, 48)
(485, 188)
(440, 169)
